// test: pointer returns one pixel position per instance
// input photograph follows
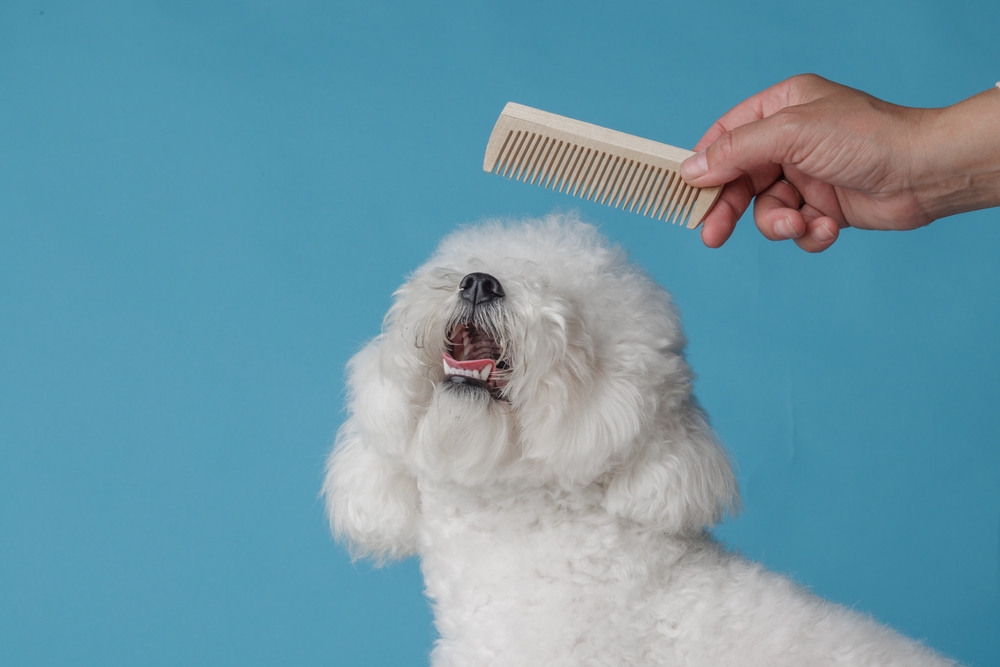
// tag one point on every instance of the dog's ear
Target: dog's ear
(680, 481)
(371, 499)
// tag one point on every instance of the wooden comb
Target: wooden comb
(596, 163)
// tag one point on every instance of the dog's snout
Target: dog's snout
(477, 288)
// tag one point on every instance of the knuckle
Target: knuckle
(722, 152)
(806, 78)
(801, 83)
(790, 132)
(788, 120)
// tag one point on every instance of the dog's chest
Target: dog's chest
(534, 571)
(532, 536)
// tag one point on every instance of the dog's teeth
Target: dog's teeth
(482, 374)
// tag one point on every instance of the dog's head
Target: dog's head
(534, 353)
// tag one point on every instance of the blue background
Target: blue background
(204, 209)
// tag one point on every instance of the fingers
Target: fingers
(776, 212)
(720, 222)
(734, 200)
(812, 232)
(778, 216)
(820, 234)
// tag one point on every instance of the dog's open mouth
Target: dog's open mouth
(473, 357)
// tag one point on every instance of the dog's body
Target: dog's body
(556, 476)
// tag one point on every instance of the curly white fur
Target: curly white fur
(562, 521)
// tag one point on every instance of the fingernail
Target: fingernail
(822, 233)
(695, 166)
(784, 229)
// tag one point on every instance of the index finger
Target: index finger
(756, 107)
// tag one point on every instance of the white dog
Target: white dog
(525, 424)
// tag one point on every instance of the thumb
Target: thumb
(771, 140)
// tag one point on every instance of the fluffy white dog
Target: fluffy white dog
(525, 424)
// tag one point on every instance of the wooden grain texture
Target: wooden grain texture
(596, 163)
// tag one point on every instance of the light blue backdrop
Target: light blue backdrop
(205, 206)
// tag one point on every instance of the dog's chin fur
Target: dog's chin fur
(560, 510)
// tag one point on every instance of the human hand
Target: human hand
(856, 160)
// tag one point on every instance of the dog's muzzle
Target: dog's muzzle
(474, 356)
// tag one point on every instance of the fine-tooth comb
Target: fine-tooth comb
(596, 163)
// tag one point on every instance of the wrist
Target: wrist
(956, 161)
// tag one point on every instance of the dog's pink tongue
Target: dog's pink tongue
(469, 364)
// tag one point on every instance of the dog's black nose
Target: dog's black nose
(477, 288)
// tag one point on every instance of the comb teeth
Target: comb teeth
(596, 164)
